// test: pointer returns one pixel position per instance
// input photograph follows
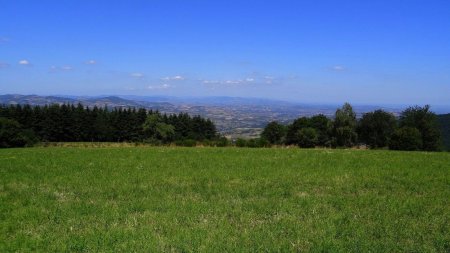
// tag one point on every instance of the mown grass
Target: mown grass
(150, 199)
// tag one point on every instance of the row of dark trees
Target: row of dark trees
(416, 129)
(21, 125)
(444, 122)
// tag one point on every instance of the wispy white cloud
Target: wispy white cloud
(3, 65)
(231, 82)
(255, 79)
(159, 87)
(269, 79)
(91, 62)
(24, 62)
(66, 68)
(63, 68)
(338, 68)
(173, 78)
(137, 75)
(4, 39)
(130, 88)
(210, 82)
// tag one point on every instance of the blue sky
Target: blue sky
(370, 52)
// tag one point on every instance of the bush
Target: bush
(424, 120)
(274, 133)
(307, 137)
(257, 143)
(153, 142)
(263, 143)
(186, 143)
(221, 142)
(406, 138)
(241, 143)
(375, 128)
(12, 135)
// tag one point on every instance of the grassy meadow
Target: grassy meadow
(152, 199)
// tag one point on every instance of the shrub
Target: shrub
(274, 133)
(241, 143)
(221, 142)
(186, 143)
(406, 138)
(375, 128)
(424, 120)
(12, 135)
(307, 137)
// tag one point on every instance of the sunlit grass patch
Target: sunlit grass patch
(223, 199)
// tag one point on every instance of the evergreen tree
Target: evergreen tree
(66, 122)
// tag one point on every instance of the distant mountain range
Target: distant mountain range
(109, 101)
(232, 115)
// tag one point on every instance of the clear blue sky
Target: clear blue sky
(371, 52)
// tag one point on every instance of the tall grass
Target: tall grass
(149, 199)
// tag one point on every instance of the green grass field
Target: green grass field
(143, 199)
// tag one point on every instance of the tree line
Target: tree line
(444, 122)
(22, 125)
(416, 129)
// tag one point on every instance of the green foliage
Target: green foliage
(195, 128)
(154, 128)
(258, 143)
(241, 143)
(171, 199)
(444, 124)
(221, 142)
(344, 127)
(307, 137)
(426, 122)
(376, 128)
(294, 128)
(186, 143)
(406, 138)
(12, 134)
(322, 125)
(69, 123)
(274, 133)
(252, 143)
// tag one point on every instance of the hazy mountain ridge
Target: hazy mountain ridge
(109, 101)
